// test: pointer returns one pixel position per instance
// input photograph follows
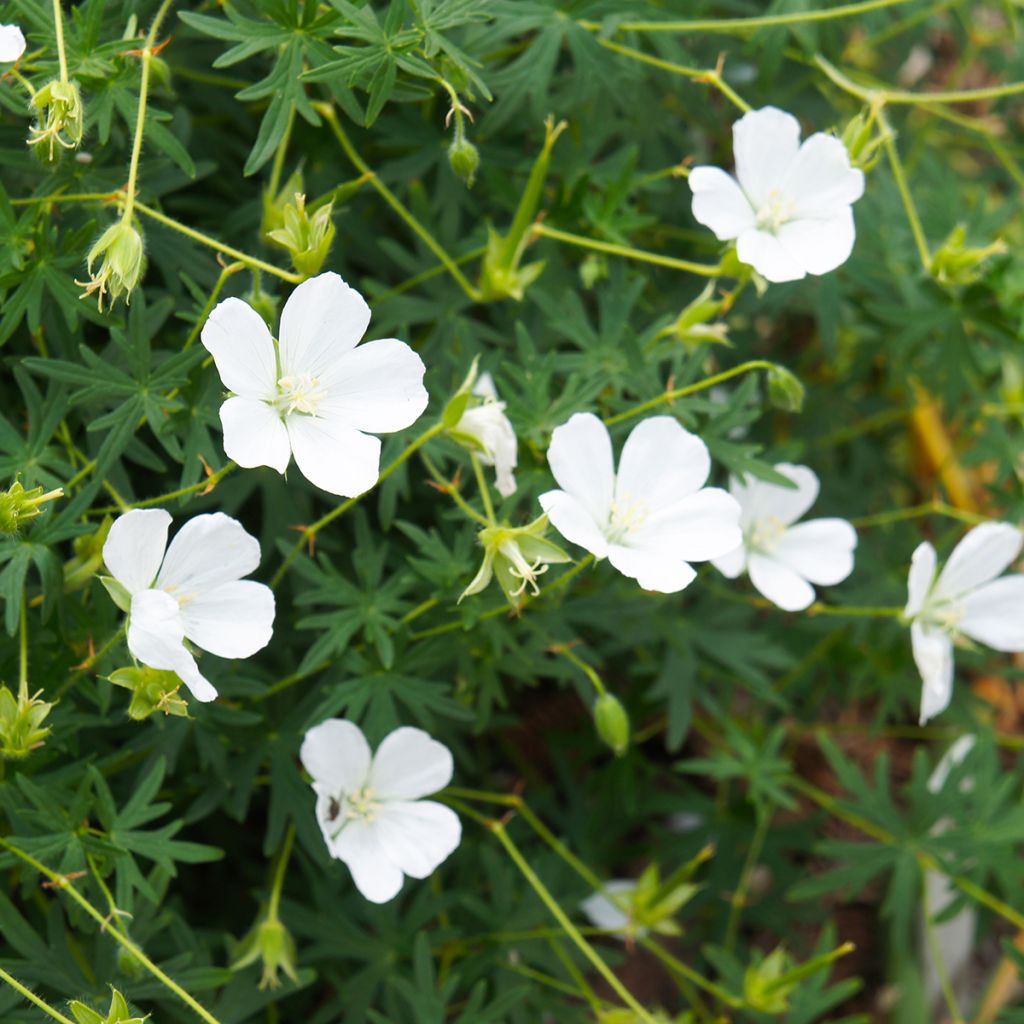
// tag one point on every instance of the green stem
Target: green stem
(23, 653)
(900, 176)
(939, 961)
(140, 118)
(279, 872)
(58, 27)
(222, 279)
(627, 252)
(854, 611)
(107, 647)
(210, 482)
(588, 670)
(64, 884)
(485, 491)
(928, 508)
(448, 487)
(739, 897)
(279, 155)
(33, 998)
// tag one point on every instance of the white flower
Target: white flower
(609, 909)
(653, 517)
(783, 560)
(12, 43)
(369, 808)
(965, 600)
(194, 591)
(488, 425)
(790, 210)
(314, 394)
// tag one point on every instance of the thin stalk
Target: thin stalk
(23, 652)
(898, 173)
(928, 508)
(279, 873)
(210, 482)
(279, 155)
(106, 648)
(222, 278)
(58, 27)
(588, 670)
(485, 491)
(739, 897)
(449, 488)
(33, 998)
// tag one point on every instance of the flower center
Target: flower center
(946, 614)
(359, 805)
(628, 514)
(765, 534)
(775, 211)
(301, 392)
(521, 569)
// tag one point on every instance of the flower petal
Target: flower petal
(763, 501)
(604, 911)
(933, 655)
(580, 456)
(254, 434)
(377, 387)
(333, 455)
(984, 553)
(207, 551)
(155, 634)
(376, 877)
(650, 567)
(821, 180)
(994, 614)
(12, 43)
(417, 835)
(322, 320)
(719, 203)
(135, 546)
(336, 755)
(820, 550)
(765, 143)
(921, 578)
(779, 583)
(234, 620)
(572, 520)
(239, 341)
(698, 528)
(764, 252)
(409, 764)
(661, 464)
(732, 563)
(819, 246)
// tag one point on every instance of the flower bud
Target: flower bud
(863, 145)
(61, 118)
(274, 204)
(464, 159)
(693, 326)
(764, 989)
(484, 429)
(956, 263)
(21, 723)
(271, 943)
(152, 689)
(17, 505)
(307, 236)
(785, 390)
(612, 723)
(121, 267)
(117, 1014)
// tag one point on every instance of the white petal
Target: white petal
(208, 550)
(135, 546)
(604, 911)
(933, 654)
(651, 568)
(821, 180)
(336, 755)
(376, 877)
(580, 456)
(719, 203)
(239, 341)
(779, 583)
(484, 387)
(921, 578)
(377, 387)
(984, 553)
(572, 520)
(765, 143)
(417, 835)
(234, 620)
(819, 246)
(762, 501)
(994, 614)
(952, 758)
(731, 564)
(492, 429)
(155, 633)
(254, 434)
(322, 320)
(820, 550)
(409, 764)
(12, 43)
(698, 528)
(334, 456)
(764, 252)
(661, 463)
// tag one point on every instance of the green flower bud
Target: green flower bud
(693, 326)
(21, 723)
(307, 236)
(18, 505)
(61, 118)
(862, 143)
(464, 159)
(764, 988)
(956, 263)
(271, 943)
(117, 1014)
(274, 204)
(612, 723)
(785, 390)
(152, 690)
(121, 267)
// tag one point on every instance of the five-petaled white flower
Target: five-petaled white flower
(12, 43)
(192, 590)
(486, 423)
(369, 808)
(965, 600)
(653, 517)
(314, 394)
(783, 560)
(789, 206)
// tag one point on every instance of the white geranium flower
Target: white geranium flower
(965, 600)
(487, 424)
(783, 559)
(192, 591)
(653, 517)
(369, 808)
(314, 394)
(12, 43)
(790, 209)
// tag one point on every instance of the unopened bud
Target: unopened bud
(307, 236)
(18, 505)
(957, 263)
(464, 158)
(785, 390)
(21, 723)
(122, 257)
(117, 1014)
(612, 723)
(862, 143)
(61, 118)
